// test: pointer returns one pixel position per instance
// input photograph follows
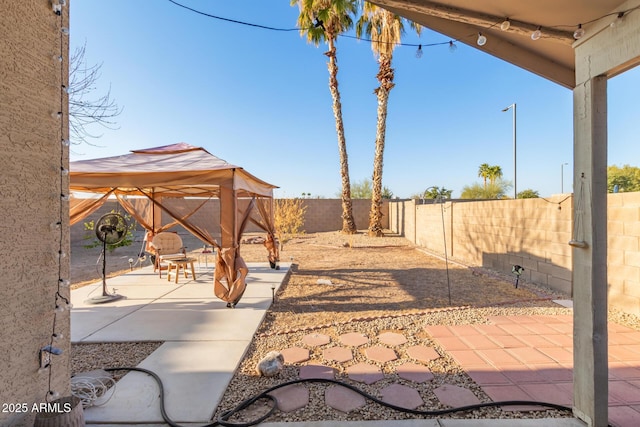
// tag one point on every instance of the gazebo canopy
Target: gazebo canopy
(153, 182)
(177, 170)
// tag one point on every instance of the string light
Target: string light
(504, 25)
(419, 52)
(579, 33)
(617, 21)
(482, 40)
(452, 46)
(61, 303)
(536, 34)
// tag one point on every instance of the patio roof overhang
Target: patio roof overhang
(552, 56)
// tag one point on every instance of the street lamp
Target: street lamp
(562, 177)
(515, 174)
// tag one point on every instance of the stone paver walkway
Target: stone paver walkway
(511, 358)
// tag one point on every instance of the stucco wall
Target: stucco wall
(30, 188)
(533, 233)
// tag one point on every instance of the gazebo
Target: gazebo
(154, 182)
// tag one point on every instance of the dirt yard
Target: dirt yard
(344, 283)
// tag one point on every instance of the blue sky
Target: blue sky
(260, 99)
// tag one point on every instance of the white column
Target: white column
(590, 377)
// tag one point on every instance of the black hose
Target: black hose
(223, 420)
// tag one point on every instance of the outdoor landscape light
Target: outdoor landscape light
(536, 34)
(482, 40)
(506, 24)
(131, 264)
(517, 270)
(579, 33)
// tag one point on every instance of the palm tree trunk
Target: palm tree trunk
(348, 224)
(385, 77)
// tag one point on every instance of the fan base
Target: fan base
(104, 299)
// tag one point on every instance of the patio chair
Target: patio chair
(166, 245)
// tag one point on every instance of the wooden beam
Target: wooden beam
(478, 19)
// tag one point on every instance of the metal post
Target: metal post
(562, 165)
(515, 161)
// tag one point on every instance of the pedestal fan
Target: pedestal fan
(110, 229)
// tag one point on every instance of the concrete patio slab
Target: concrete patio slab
(203, 341)
(192, 374)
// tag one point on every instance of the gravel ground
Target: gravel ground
(376, 285)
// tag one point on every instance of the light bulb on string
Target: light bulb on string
(53, 395)
(536, 34)
(62, 254)
(419, 52)
(617, 21)
(56, 114)
(452, 46)
(65, 31)
(59, 309)
(57, 57)
(54, 226)
(65, 197)
(579, 33)
(64, 171)
(506, 24)
(57, 336)
(65, 142)
(65, 283)
(482, 40)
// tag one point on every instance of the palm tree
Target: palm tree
(495, 172)
(483, 172)
(385, 29)
(322, 21)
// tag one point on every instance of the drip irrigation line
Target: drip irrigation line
(223, 420)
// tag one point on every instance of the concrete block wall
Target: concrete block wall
(326, 214)
(322, 215)
(31, 184)
(533, 233)
(623, 258)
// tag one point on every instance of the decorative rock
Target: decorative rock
(343, 399)
(295, 354)
(392, 338)
(291, 397)
(414, 372)
(353, 339)
(422, 353)
(380, 354)
(455, 396)
(317, 371)
(315, 340)
(365, 373)
(271, 364)
(401, 395)
(337, 354)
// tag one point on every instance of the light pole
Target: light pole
(515, 162)
(562, 177)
